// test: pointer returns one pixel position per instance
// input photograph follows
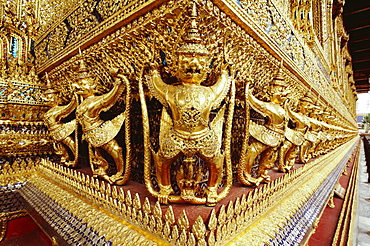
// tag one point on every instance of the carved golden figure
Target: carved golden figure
(327, 138)
(61, 132)
(189, 131)
(294, 138)
(306, 106)
(267, 138)
(315, 132)
(99, 133)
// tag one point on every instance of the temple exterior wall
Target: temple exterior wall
(183, 122)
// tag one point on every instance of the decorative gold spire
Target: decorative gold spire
(279, 78)
(50, 90)
(83, 71)
(193, 41)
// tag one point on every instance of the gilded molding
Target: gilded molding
(108, 226)
(310, 78)
(238, 221)
(5, 218)
(345, 229)
(258, 29)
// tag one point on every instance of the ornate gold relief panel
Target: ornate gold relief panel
(155, 37)
(80, 22)
(265, 14)
(296, 42)
(153, 46)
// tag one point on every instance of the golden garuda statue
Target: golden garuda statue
(186, 131)
(294, 133)
(98, 133)
(315, 134)
(62, 133)
(265, 139)
(305, 107)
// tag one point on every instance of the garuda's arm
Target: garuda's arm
(297, 117)
(256, 104)
(106, 101)
(157, 87)
(221, 88)
(66, 110)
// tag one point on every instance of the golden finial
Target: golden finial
(128, 199)
(83, 71)
(114, 192)
(175, 233)
(193, 41)
(166, 230)
(199, 228)
(169, 215)
(183, 222)
(121, 196)
(191, 239)
(157, 211)
(230, 210)
(183, 237)
(212, 223)
(279, 78)
(222, 215)
(136, 202)
(211, 238)
(50, 90)
(146, 206)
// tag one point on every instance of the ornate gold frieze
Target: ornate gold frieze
(253, 214)
(310, 72)
(203, 92)
(154, 38)
(20, 92)
(102, 221)
(286, 39)
(17, 171)
(83, 25)
(22, 105)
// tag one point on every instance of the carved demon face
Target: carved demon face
(51, 99)
(86, 87)
(279, 94)
(192, 68)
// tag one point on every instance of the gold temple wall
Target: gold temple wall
(269, 214)
(255, 36)
(241, 28)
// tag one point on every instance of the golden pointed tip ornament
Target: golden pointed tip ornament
(50, 89)
(193, 41)
(83, 71)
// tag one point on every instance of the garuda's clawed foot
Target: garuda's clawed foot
(71, 164)
(106, 178)
(117, 179)
(264, 178)
(164, 192)
(211, 195)
(251, 181)
(284, 169)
